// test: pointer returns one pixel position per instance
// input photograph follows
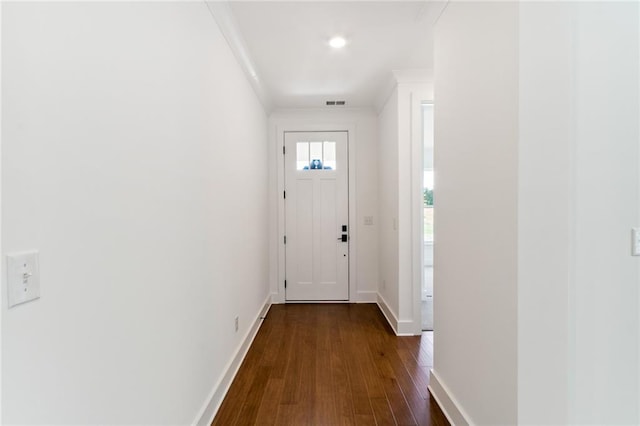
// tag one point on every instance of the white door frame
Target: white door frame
(417, 204)
(306, 126)
(2, 293)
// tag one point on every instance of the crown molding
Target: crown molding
(226, 21)
(422, 76)
(407, 76)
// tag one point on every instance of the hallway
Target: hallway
(155, 207)
(331, 364)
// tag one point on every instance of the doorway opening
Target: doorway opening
(428, 216)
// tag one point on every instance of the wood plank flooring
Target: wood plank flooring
(332, 364)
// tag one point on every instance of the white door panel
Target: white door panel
(316, 209)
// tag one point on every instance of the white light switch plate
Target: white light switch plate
(23, 277)
(635, 241)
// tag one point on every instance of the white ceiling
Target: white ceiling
(285, 47)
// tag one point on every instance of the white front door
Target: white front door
(316, 216)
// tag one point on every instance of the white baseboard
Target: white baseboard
(361, 297)
(400, 327)
(448, 404)
(367, 297)
(388, 313)
(405, 328)
(213, 402)
(277, 298)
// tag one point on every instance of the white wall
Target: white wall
(580, 155)
(388, 202)
(571, 95)
(604, 292)
(401, 199)
(475, 297)
(362, 125)
(544, 225)
(134, 160)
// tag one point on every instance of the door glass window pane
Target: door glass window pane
(315, 157)
(329, 158)
(302, 156)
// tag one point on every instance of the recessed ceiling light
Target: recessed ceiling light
(337, 42)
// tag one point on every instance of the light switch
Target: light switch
(635, 241)
(368, 220)
(23, 277)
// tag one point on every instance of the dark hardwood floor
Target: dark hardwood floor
(332, 364)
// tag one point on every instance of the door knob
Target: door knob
(344, 238)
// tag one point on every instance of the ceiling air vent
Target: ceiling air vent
(336, 103)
